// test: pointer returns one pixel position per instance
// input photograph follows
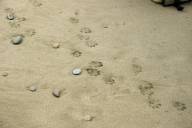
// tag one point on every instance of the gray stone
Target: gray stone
(56, 92)
(17, 39)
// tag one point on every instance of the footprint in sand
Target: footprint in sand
(91, 43)
(96, 64)
(154, 103)
(85, 30)
(136, 68)
(76, 53)
(109, 79)
(74, 20)
(83, 37)
(36, 3)
(93, 71)
(147, 89)
(179, 106)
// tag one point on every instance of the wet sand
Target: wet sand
(135, 59)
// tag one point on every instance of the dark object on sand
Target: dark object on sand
(176, 3)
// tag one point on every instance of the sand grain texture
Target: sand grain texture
(135, 56)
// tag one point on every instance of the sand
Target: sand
(135, 57)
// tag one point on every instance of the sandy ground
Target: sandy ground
(136, 58)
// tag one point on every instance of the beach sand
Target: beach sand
(135, 58)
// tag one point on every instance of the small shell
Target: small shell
(76, 71)
(56, 45)
(88, 118)
(33, 88)
(17, 40)
(56, 92)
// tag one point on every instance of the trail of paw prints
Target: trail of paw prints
(179, 106)
(93, 68)
(36, 3)
(84, 36)
(147, 89)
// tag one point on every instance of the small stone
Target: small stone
(56, 45)
(88, 118)
(17, 40)
(33, 88)
(5, 74)
(56, 92)
(10, 16)
(76, 71)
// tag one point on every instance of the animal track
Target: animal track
(85, 30)
(74, 20)
(154, 103)
(91, 43)
(136, 68)
(36, 3)
(96, 64)
(109, 80)
(146, 88)
(179, 106)
(83, 37)
(93, 71)
(76, 53)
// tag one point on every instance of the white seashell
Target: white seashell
(56, 45)
(88, 118)
(33, 88)
(76, 71)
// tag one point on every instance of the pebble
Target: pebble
(56, 45)
(10, 16)
(5, 74)
(17, 40)
(56, 92)
(76, 71)
(88, 118)
(33, 88)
